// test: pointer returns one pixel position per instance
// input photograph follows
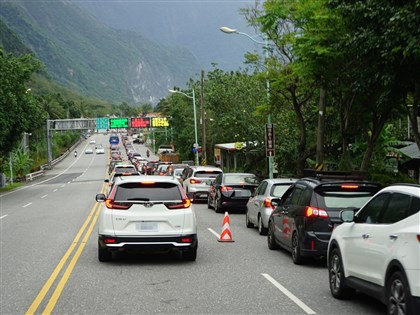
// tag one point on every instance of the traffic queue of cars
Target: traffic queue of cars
(369, 235)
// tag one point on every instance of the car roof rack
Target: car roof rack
(343, 175)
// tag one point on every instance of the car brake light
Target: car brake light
(111, 205)
(110, 240)
(267, 203)
(186, 240)
(315, 212)
(349, 186)
(418, 237)
(186, 202)
(195, 181)
(225, 188)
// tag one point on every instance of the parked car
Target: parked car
(231, 191)
(263, 201)
(147, 213)
(197, 179)
(303, 221)
(377, 250)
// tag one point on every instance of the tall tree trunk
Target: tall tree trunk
(320, 131)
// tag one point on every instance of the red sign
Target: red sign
(140, 122)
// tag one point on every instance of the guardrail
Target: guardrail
(33, 175)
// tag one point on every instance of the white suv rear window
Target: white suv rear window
(148, 192)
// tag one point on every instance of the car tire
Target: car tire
(271, 241)
(336, 278)
(104, 254)
(398, 297)
(296, 255)
(190, 254)
(217, 207)
(209, 206)
(247, 222)
(261, 228)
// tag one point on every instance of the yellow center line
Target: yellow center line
(41, 295)
(59, 289)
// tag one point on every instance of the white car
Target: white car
(196, 180)
(88, 150)
(262, 202)
(92, 141)
(146, 213)
(100, 150)
(377, 250)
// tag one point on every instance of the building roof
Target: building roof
(411, 150)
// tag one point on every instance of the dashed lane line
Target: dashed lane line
(289, 294)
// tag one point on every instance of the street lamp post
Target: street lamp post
(195, 121)
(229, 30)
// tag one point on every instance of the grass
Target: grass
(9, 187)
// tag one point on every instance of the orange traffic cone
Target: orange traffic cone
(226, 235)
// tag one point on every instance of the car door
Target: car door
(382, 240)
(358, 235)
(256, 202)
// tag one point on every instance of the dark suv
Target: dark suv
(309, 210)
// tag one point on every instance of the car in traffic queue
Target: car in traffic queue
(196, 180)
(303, 221)
(151, 167)
(146, 213)
(231, 191)
(119, 171)
(377, 250)
(263, 201)
(165, 148)
(176, 170)
(88, 150)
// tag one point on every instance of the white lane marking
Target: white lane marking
(44, 196)
(289, 294)
(2, 217)
(63, 186)
(212, 231)
(55, 190)
(27, 205)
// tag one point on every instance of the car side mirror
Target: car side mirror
(347, 215)
(275, 202)
(106, 180)
(100, 198)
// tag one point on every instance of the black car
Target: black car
(309, 210)
(231, 191)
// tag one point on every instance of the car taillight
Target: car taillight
(418, 237)
(195, 181)
(311, 212)
(186, 240)
(117, 206)
(110, 240)
(349, 186)
(186, 202)
(225, 188)
(267, 203)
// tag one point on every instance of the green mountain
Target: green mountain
(84, 55)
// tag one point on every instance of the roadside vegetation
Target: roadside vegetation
(343, 81)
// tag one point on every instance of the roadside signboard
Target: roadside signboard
(102, 123)
(269, 140)
(160, 122)
(115, 123)
(140, 122)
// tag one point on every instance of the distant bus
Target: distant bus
(114, 139)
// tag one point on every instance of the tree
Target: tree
(19, 110)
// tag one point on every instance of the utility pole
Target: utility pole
(203, 122)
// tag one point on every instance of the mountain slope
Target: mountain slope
(85, 55)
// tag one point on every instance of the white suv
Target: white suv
(146, 213)
(377, 250)
(196, 180)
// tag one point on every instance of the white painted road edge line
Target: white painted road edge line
(217, 235)
(28, 204)
(289, 294)
(2, 217)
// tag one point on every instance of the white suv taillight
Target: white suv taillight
(186, 202)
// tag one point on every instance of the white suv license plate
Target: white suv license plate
(147, 226)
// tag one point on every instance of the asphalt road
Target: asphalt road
(49, 260)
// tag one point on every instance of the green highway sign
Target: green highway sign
(102, 123)
(118, 123)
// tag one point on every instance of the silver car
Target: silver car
(196, 180)
(264, 200)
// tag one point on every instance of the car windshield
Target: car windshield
(279, 190)
(148, 192)
(344, 199)
(207, 174)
